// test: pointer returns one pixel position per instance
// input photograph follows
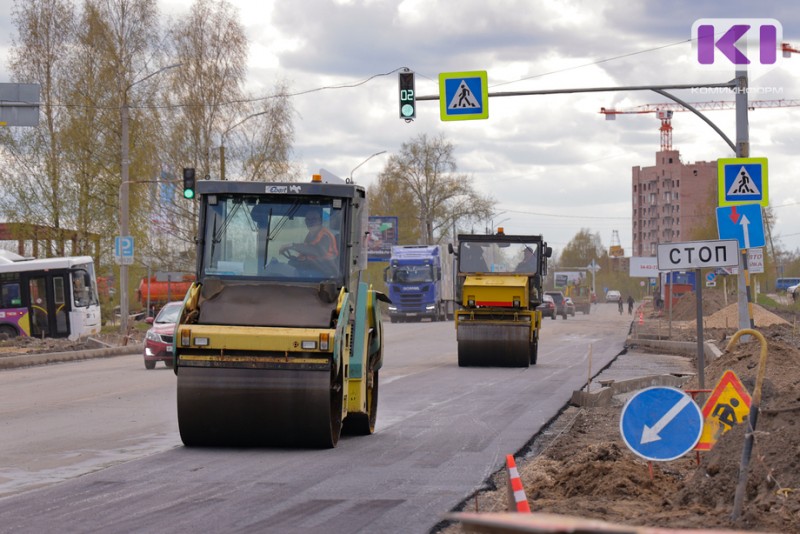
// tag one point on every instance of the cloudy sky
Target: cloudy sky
(553, 163)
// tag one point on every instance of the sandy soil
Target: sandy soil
(586, 470)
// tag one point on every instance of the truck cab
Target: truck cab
(420, 283)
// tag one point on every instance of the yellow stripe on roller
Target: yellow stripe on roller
(254, 338)
(254, 359)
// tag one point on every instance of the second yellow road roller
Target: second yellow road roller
(499, 286)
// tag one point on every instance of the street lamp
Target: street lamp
(350, 180)
(123, 198)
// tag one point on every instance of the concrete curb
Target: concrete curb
(606, 393)
(29, 360)
(603, 396)
(711, 351)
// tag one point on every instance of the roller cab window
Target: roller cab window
(272, 237)
(500, 257)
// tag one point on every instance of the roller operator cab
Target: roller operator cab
(279, 342)
(499, 284)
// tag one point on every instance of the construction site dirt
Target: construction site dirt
(580, 465)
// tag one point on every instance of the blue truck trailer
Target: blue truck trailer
(420, 283)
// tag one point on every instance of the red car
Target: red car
(158, 340)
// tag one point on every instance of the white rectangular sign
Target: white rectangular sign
(643, 267)
(697, 254)
(755, 260)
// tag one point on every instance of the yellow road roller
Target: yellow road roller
(279, 342)
(499, 286)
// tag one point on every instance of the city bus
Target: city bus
(49, 297)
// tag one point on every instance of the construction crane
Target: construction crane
(665, 110)
(616, 250)
(788, 50)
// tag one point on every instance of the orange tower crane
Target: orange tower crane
(665, 110)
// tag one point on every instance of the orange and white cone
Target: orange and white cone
(641, 317)
(517, 500)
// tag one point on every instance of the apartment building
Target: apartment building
(670, 199)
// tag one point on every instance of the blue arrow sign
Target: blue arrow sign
(745, 223)
(661, 423)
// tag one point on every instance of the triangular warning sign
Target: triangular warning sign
(728, 405)
(743, 185)
(463, 98)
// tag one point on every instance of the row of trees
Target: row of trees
(181, 81)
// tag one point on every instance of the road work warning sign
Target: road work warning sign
(728, 405)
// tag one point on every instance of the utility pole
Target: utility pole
(124, 305)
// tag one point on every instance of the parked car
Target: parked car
(547, 307)
(158, 340)
(558, 298)
(570, 306)
(612, 295)
(794, 292)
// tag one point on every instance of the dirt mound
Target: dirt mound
(728, 317)
(588, 470)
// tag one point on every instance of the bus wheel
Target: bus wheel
(8, 331)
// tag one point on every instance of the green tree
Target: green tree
(424, 173)
(582, 249)
(35, 185)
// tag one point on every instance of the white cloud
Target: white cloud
(553, 162)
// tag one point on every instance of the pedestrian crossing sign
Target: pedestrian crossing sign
(463, 95)
(742, 181)
(728, 405)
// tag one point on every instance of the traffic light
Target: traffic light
(408, 104)
(188, 183)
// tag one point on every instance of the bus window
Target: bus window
(10, 296)
(81, 292)
(60, 302)
(39, 324)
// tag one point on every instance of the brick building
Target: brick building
(669, 199)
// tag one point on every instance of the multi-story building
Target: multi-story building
(670, 199)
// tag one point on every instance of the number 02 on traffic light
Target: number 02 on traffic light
(408, 104)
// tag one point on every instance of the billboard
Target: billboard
(383, 233)
(565, 278)
(644, 267)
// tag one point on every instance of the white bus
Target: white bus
(49, 297)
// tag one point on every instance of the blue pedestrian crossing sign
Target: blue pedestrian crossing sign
(463, 95)
(742, 181)
(744, 222)
(661, 423)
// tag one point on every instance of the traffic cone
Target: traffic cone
(517, 500)
(641, 317)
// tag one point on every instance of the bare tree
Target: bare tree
(36, 189)
(260, 144)
(426, 169)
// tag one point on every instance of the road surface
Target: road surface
(93, 446)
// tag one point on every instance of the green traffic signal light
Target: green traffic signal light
(188, 183)
(408, 103)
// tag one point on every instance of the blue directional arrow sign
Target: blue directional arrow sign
(745, 223)
(661, 423)
(463, 95)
